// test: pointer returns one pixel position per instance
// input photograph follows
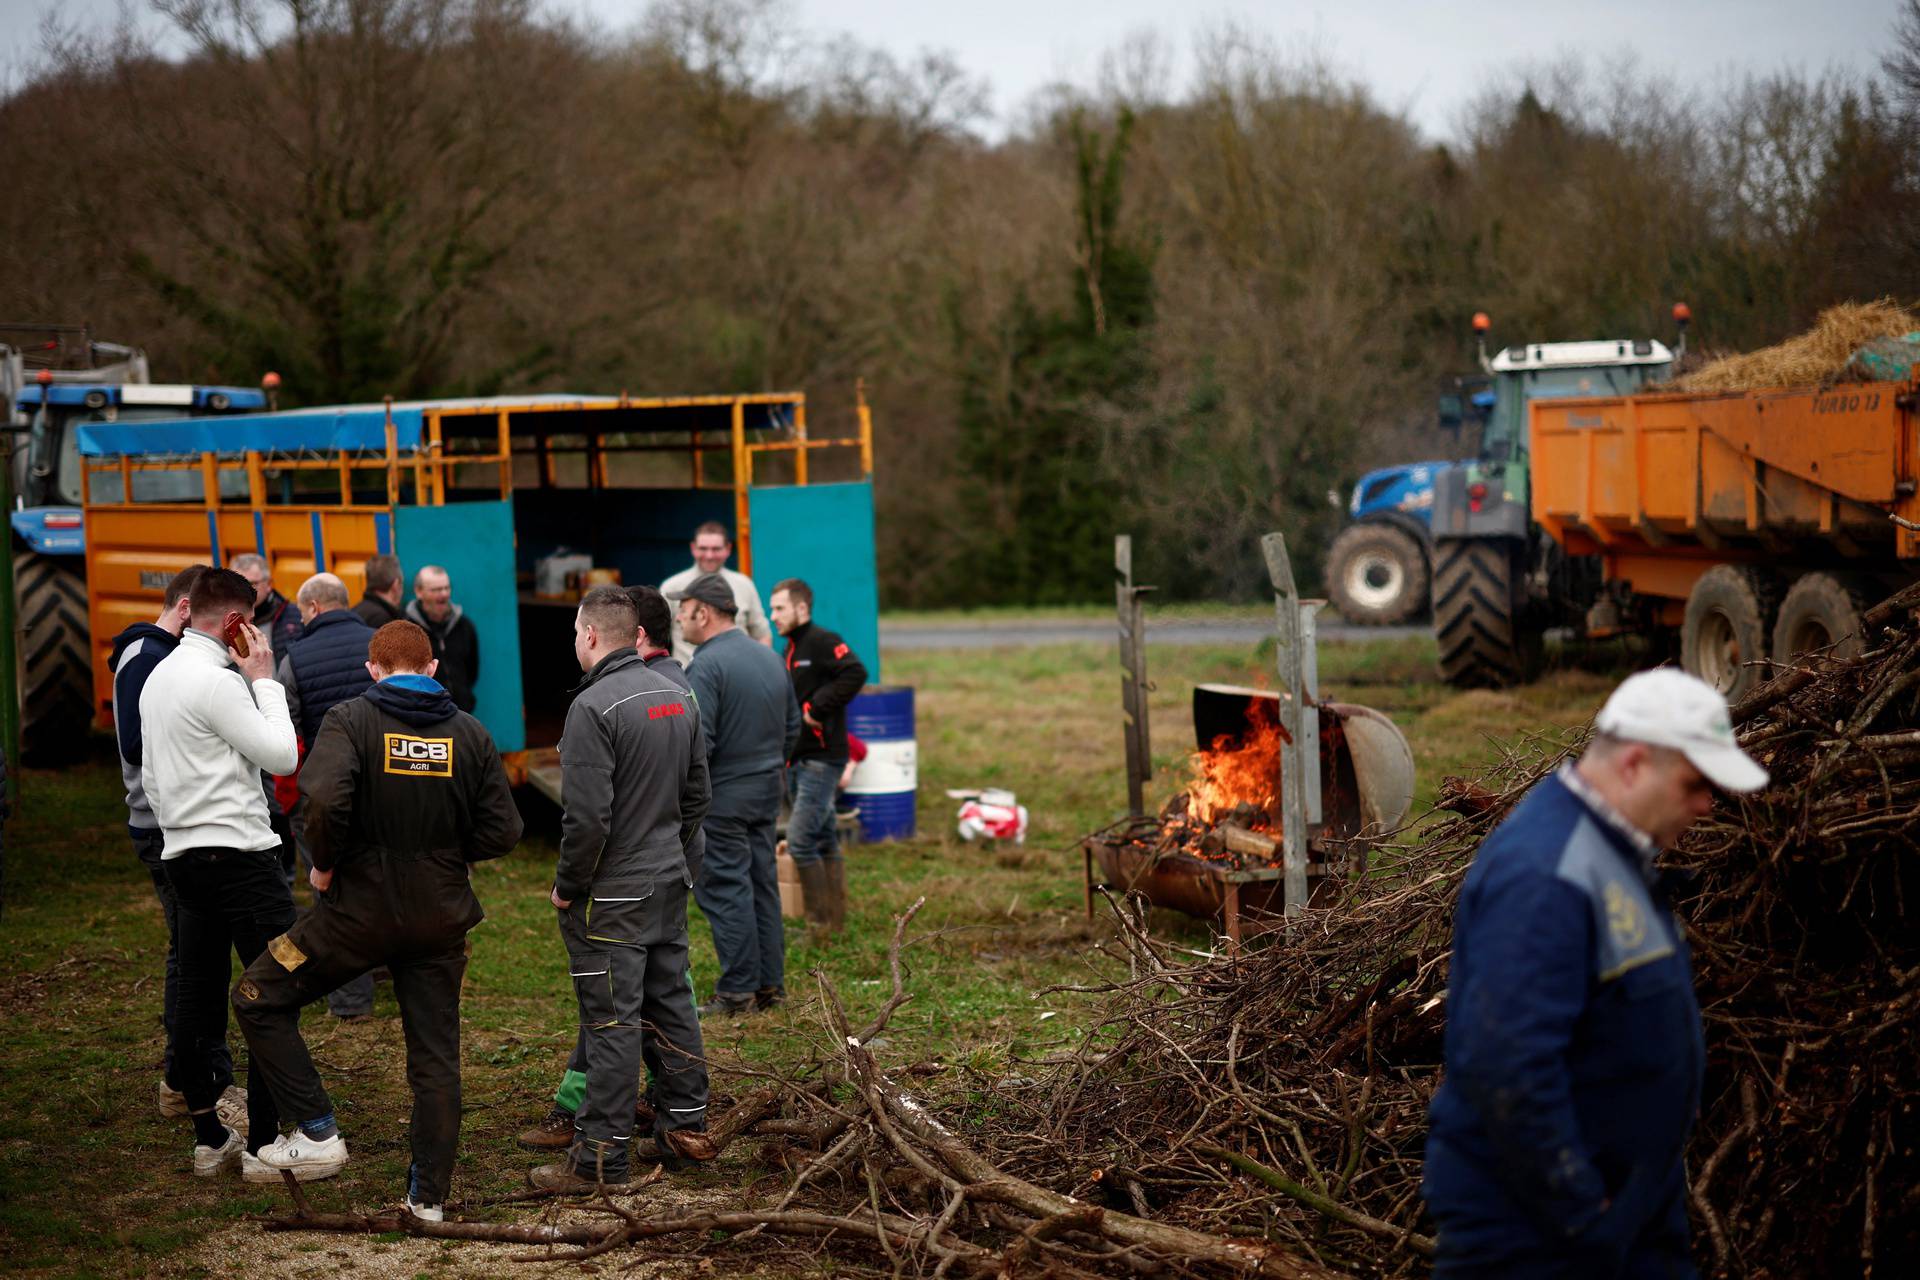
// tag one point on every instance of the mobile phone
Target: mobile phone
(233, 627)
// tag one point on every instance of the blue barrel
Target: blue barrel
(885, 783)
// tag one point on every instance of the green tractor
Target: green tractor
(1498, 581)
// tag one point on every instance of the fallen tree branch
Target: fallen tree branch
(1422, 1245)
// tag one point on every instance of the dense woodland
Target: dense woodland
(1189, 315)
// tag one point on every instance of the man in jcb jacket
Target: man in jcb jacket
(634, 789)
(826, 677)
(403, 792)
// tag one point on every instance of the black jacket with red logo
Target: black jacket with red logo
(826, 675)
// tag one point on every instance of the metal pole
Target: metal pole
(1293, 696)
(1129, 603)
(1132, 704)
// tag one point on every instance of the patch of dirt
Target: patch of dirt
(248, 1250)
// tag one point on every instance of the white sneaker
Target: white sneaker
(207, 1161)
(427, 1212)
(232, 1107)
(306, 1158)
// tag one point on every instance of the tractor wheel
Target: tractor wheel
(1820, 611)
(56, 675)
(1377, 574)
(1478, 615)
(1729, 617)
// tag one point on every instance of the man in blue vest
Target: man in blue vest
(1574, 1048)
(325, 667)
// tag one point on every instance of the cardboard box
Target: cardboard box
(793, 904)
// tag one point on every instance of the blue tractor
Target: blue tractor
(53, 378)
(1378, 569)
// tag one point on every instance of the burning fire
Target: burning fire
(1239, 769)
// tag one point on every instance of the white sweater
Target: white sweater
(206, 742)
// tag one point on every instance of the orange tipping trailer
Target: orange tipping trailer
(1759, 522)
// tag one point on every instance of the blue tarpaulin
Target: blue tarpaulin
(351, 427)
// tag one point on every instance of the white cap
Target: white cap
(1667, 707)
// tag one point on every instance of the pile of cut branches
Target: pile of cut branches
(1264, 1112)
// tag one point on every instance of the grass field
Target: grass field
(94, 1182)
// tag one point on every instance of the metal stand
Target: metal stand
(1134, 688)
(1299, 665)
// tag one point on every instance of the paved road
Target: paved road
(902, 636)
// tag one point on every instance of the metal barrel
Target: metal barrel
(886, 783)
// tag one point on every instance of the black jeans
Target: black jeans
(412, 915)
(147, 843)
(230, 900)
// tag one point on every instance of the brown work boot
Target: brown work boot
(682, 1147)
(816, 889)
(555, 1133)
(570, 1175)
(836, 891)
(769, 997)
(643, 1116)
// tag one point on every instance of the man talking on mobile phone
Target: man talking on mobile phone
(209, 730)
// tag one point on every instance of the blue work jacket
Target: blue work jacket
(1573, 1056)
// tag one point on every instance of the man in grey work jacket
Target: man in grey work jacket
(752, 722)
(634, 789)
(1574, 1049)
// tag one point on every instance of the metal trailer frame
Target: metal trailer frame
(383, 460)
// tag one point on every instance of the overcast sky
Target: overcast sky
(1427, 59)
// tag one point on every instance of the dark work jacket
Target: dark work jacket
(277, 617)
(825, 676)
(662, 662)
(747, 708)
(136, 652)
(633, 782)
(1574, 1050)
(401, 778)
(329, 665)
(375, 611)
(456, 646)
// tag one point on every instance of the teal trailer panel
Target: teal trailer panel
(824, 534)
(473, 542)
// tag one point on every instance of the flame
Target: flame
(1239, 769)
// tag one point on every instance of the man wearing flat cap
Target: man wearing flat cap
(752, 723)
(1574, 1048)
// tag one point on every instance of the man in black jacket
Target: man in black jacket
(403, 792)
(325, 667)
(826, 676)
(381, 604)
(634, 789)
(456, 643)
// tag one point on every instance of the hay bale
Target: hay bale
(1818, 356)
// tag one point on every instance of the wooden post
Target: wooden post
(1293, 716)
(1133, 675)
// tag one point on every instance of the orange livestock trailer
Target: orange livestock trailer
(1759, 523)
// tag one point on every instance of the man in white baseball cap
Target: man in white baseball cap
(1574, 1048)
